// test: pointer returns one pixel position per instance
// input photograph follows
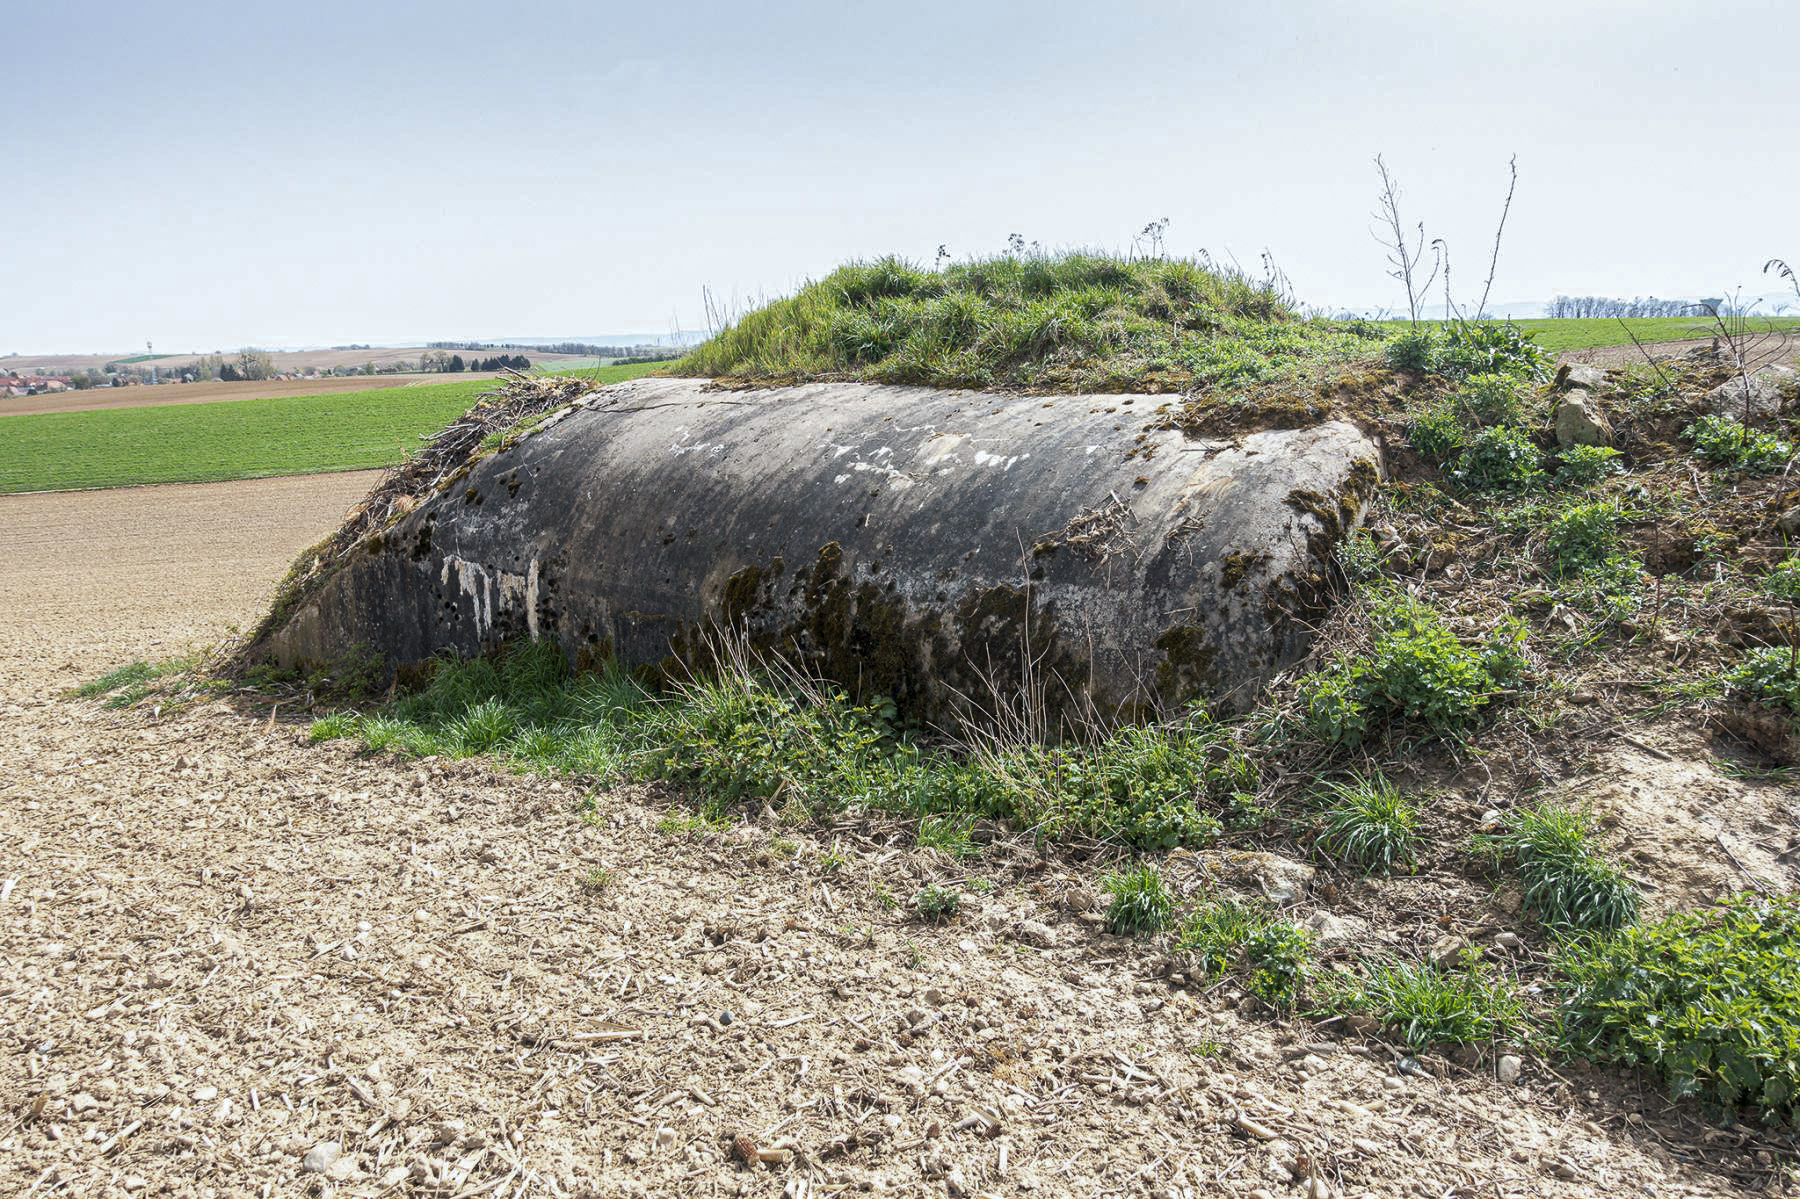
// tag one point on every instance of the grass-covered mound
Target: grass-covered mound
(1063, 322)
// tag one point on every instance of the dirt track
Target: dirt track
(224, 949)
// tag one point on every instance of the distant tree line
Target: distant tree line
(1607, 306)
(438, 360)
(246, 366)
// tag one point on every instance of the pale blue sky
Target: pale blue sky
(211, 175)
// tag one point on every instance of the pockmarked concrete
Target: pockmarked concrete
(937, 548)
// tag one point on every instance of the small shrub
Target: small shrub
(1279, 957)
(1770, 676)
(1568, 884)
(1500, 458)
(1584, 536)
(1138, 901)
(1494, 399)
(1370, 824)
(935, 905)
(1726, 442)
(1437, 432)
(1705, 1000)
(1585, 465)
(1426, 1004)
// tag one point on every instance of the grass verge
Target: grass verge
(744, 736)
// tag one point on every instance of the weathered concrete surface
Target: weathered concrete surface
(907, 542)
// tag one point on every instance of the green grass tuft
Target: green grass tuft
(1138, 901)
(1369, 824)
(1429, 1005)
(1568, 884)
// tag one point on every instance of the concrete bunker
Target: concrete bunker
(928, 546)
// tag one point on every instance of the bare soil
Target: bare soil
(231, 956)
(1761, 349)
(146, 396)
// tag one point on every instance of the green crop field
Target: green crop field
(1559, 336)
(232, 439)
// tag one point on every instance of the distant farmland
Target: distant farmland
(212, 393)
(1561, 336)
(232, 439)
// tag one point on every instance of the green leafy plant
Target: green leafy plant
(1585, 465)
(1494, 399)
(935, 904)
(1279, 958)
(1584, 536)
(1369, 824)
(1416, 668)
(1460, 350)
(1783, 580)
(1771, 676)
(1705, 1000)
(1226, 935)
(1138, 900)
(1568, 884)
(1359, 556)
(1499, 458)
(1215, 932)
(1426, 1004)
(1727, 442)
(1437, 432)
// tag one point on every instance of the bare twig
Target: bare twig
(1499, 231)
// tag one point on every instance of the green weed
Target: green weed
(1568, 883)
(1726, 442)
(1427, 1005)
(1499, 458)
(1138, 901)
(1416, 669)
(1585, 465)
(1494, 399)
(1437, 432)
(1771, 676)
(1370, 824)
(936, 904)
(1227, 935)
(1705, 1000)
